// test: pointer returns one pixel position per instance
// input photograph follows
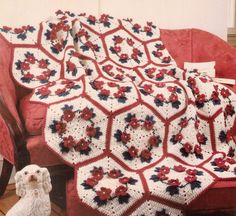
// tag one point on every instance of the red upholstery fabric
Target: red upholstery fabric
(208, 47)
(33, 114)
(7, 93)
(221, 196)
(179, 44)
(36, 145)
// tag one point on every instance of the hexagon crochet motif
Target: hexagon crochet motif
(144, 136)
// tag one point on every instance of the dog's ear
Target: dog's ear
(47, 186)
(20, 187)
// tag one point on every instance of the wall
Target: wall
(210, 15)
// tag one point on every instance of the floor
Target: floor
(10, 198)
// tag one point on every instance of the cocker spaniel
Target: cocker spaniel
(33, 185)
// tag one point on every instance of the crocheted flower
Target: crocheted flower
(115, 173)
(87, 114)
(44, 91)
(179, 168)
(104, 193)
(91, 131)
(68, 115)
(133, 152)
(68, 142)
(91, 182)
(190, 179)
(121, 191)
(174, 182)
(60, 127)
(146, 155)
(97, 173)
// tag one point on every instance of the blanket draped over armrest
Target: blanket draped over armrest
(144, 136)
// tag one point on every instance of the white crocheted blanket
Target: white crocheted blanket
(144, 136)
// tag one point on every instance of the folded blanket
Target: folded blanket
(144, 136)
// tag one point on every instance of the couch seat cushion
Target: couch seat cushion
(40, 153)
(221, 197)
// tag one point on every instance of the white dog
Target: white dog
(33, 185)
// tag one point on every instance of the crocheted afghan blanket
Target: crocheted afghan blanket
(144, 136)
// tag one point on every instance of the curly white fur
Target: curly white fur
(33, 185)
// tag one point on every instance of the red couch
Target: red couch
(190, 45)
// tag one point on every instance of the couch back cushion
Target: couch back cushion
(195, 45)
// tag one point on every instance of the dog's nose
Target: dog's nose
(32, 178)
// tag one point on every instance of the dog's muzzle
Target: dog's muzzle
(33, 178)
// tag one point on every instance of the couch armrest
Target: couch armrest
(209, 47)
(13, 142)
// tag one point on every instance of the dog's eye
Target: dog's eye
(26, 173)
(38, 171)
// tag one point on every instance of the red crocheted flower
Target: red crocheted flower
(188, 147)
(91, 182)
(229, 110)
(70, 66)
(178, 137)
(121, 191)
(30, 59)
(134, 123)
(173, 97)
(146, 154)
(24, 66)
(183, 123)
(160, 97)
(201, 98)
(148, 125)
(162, 176)
(114, 173)
(198, 150)
(60, 91)
(60, 127)
(190, 179)
(201, 138)
(124, 180)
(136, 26)
(42, 63)
(97, 173)
(118, 39)
(117, 49)
(90, 131)
(86, 114)
(148, 89)
(133, 152)
(44, 91)
(68, 142)
(68, 115)
(124, 56)
(154, 141)
(130, 42)
(82, 145)
(166, 59)
(104, 92)
(225, 92)
(104, 193)
(179, 168)
(104, 18)
(98, 84)
(174, 182)
(119, 94)
(125, 137)
(92, 18)
(164, 170)
(191, 172)
(231, 160)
